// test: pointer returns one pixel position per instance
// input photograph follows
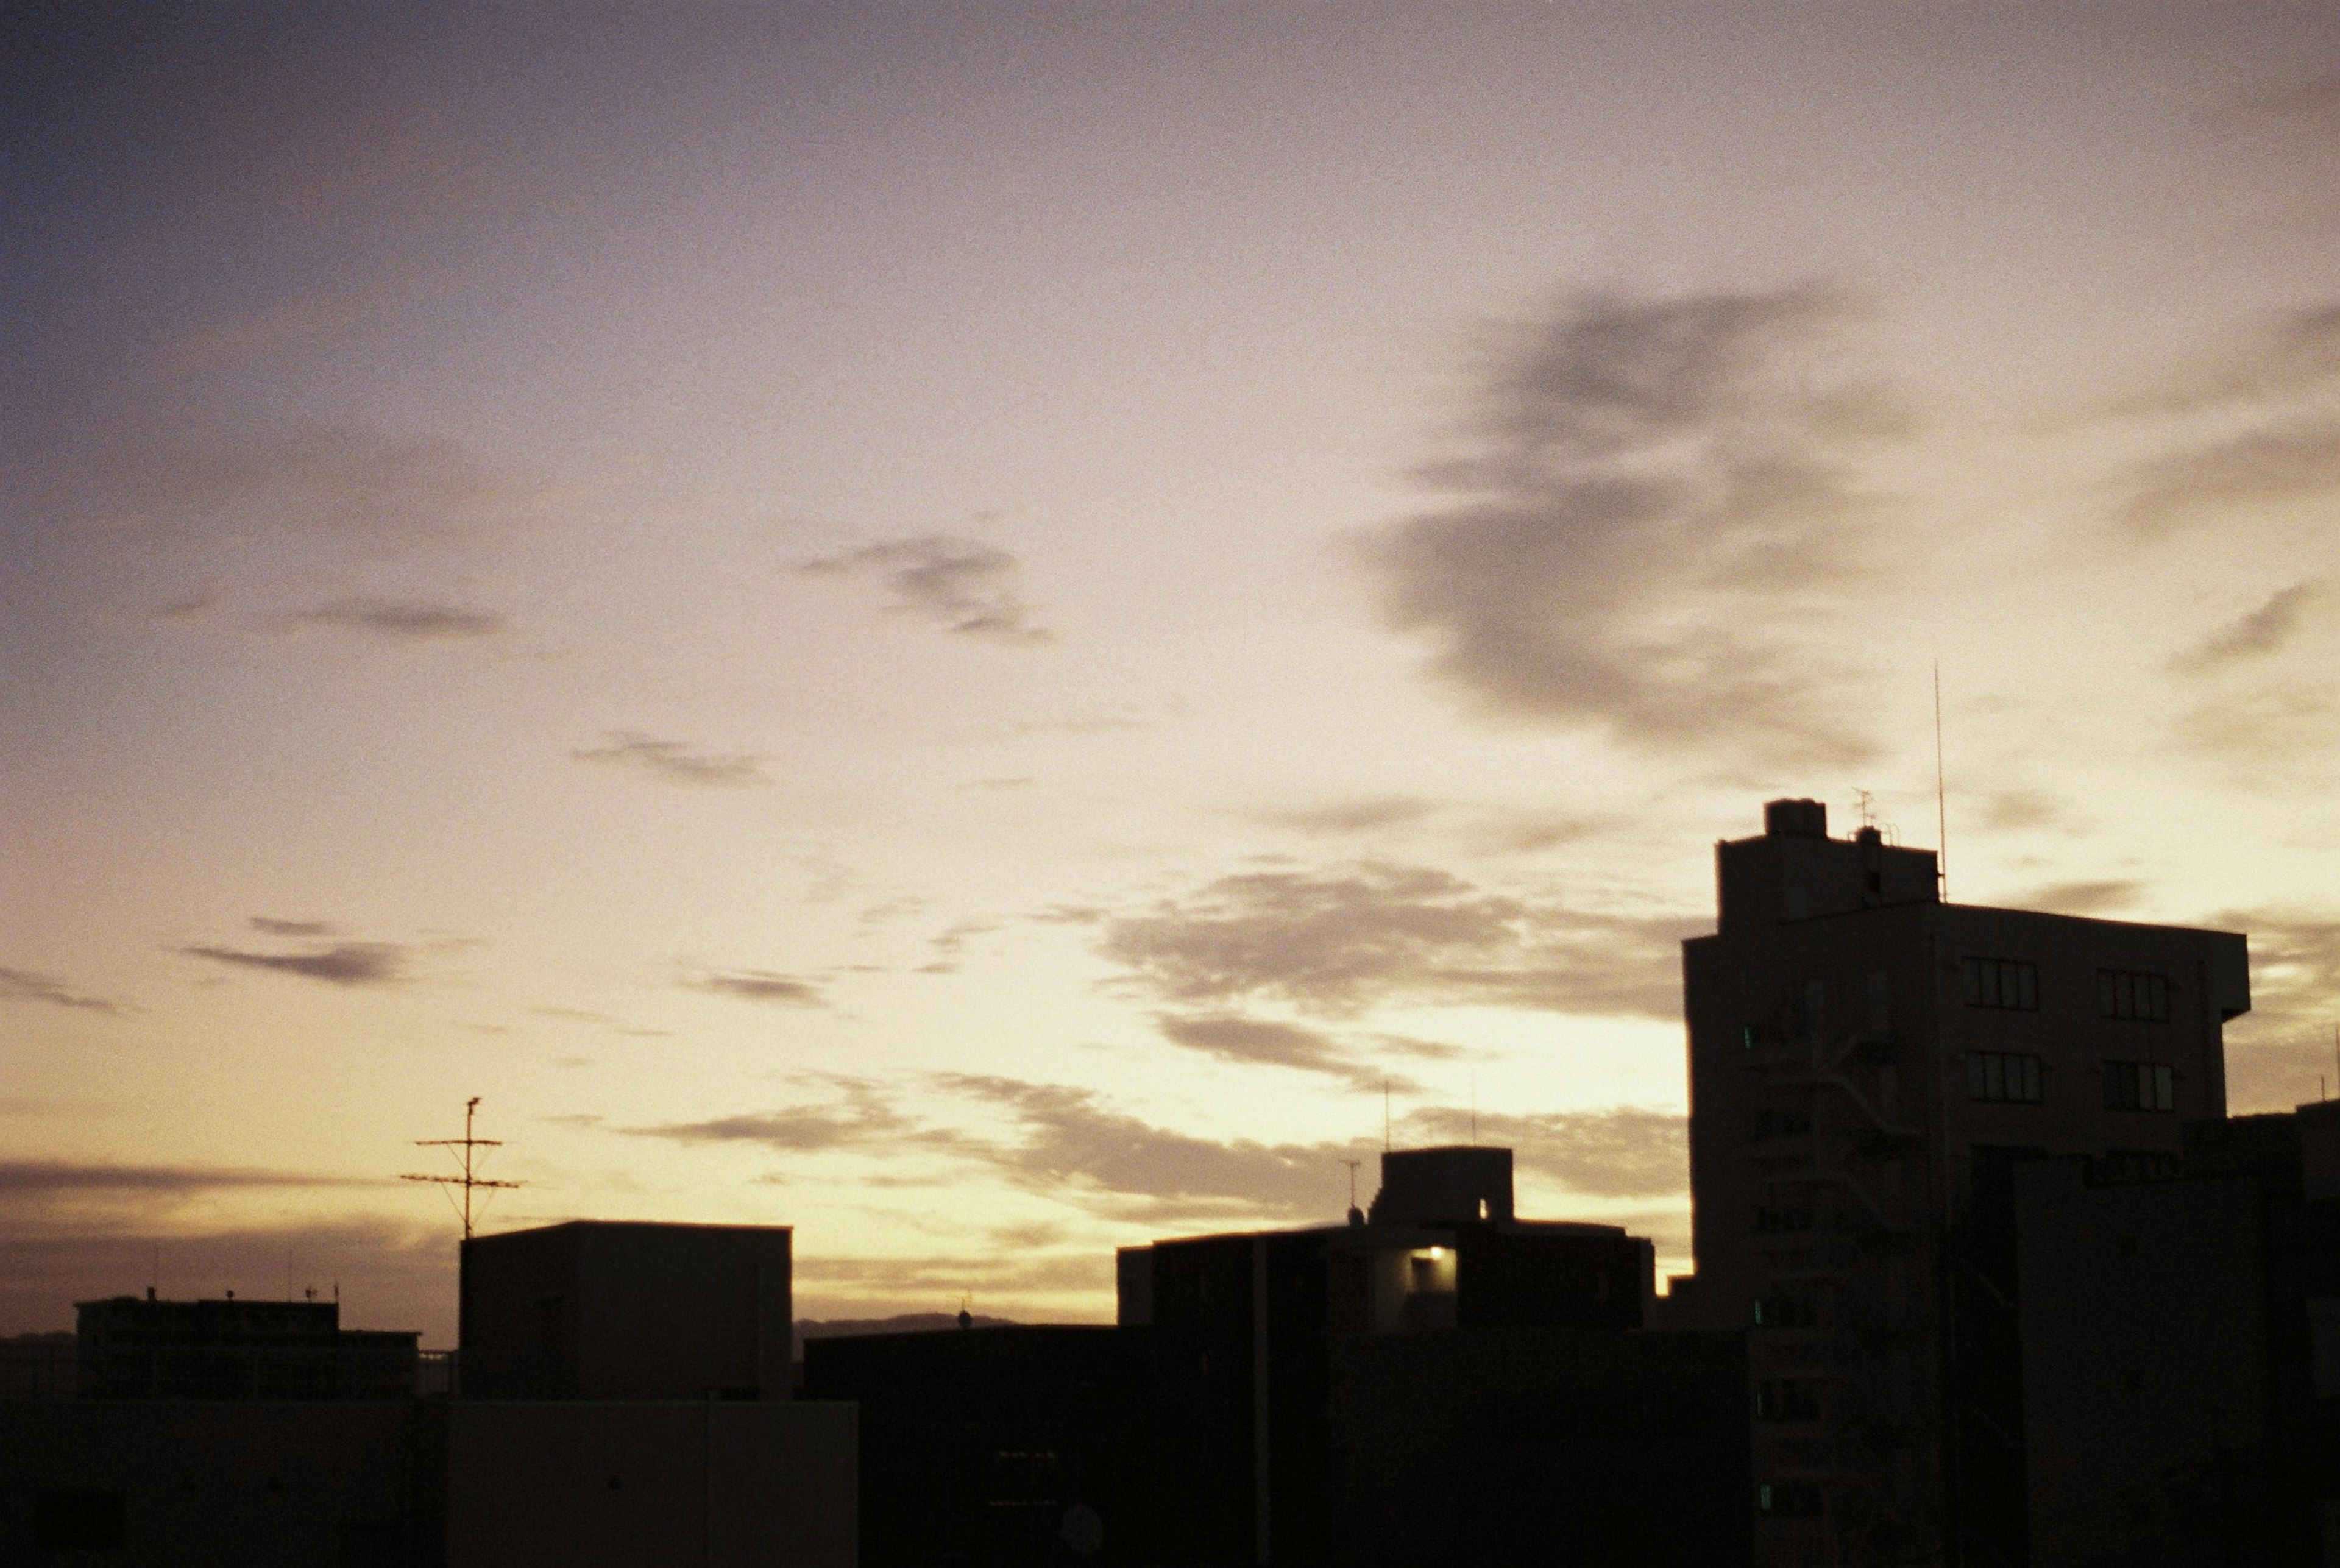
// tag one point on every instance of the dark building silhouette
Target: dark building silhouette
(638, 1418)
(1540, 1447)
(995, 1446)
(1869, 1065)
(2181, 1350)
(600, 1309)
(129, 1348)
(1289, 1367)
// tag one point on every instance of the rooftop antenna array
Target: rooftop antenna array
(470, 1180)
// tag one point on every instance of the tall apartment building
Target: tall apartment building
(1868, 1066)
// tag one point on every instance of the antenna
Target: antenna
(1866, 805)
(470, 1179)
(1942, 801)
(1353, 1165)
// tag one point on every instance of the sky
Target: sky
(996, 631)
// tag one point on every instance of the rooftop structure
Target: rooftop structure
(610, 1310)
(129, 1348)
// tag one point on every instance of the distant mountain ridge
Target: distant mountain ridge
(902, 1323)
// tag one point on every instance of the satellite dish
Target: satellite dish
(1083, 1530)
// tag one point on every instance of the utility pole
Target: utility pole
(471, 1179)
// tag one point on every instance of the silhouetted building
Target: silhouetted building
(1540, 1448)
(1284, 1362)
(428, 1483)
(39, 1365)
(1868, 1066)
(257, 1484)
(127, 1347)
(995, 1446)
(610, 1310)
(2181, 1350)
(650, 1484)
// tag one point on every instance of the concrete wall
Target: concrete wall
(209, 1483)
(2144, 1364)
(593, 1310)
(739, 1484)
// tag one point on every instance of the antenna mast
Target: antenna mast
(1942, 801)
(471, 1179)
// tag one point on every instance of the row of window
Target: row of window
(2014, 983)
(2003, 1076)
(2015, 1078)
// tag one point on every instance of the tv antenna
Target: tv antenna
(1942, 801)
(470, 1180)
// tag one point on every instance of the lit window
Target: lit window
(2003, 1076)
(2002, 983)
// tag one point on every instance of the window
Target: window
(1777, 1400)
(2138, 1087)
(1772, 1122)
(1788, 1499)
(1785, 1312)
(2002, 1075)
(2123, 994)
(2121, 1165)
(1773, 1221)
(2002, 983)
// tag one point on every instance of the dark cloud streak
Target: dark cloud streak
(348, 964)
(25, 986)
(403, 621)
(964, 584)
(1650, 493)
(1338, 943)
(675, 762)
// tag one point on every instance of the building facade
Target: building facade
(1868, 1066)
(616, 1310)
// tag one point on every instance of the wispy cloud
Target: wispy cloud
(2083, 897)
(1651, 494)
(1069, 1145)
(25, 986)
(2274, 466)
(967, 585)
(1624, 1152)
(1354, 816)
(2262, 631)
(1265, 1042)
(862, 1116)
(758, 986)
(22, 1177)
(276, 927)
(350, 964)
(403, 619)
(1074, 1147)
(1336, 943)
(346, 479)
(675, 762)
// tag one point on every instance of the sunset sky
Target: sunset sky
(966, 626)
